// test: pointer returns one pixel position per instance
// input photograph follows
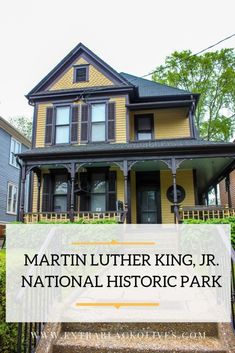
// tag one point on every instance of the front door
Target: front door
(148, 206)
(148, 198)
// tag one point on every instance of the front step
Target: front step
(196, 329)
(78, 342)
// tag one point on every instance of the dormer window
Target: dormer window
(81, 73)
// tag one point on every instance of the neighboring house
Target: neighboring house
(108, 144)
(227, 189)
(12, 142)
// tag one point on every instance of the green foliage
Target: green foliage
(212, 75)
(82, 221)
(8, 331)
(24, 125)
(229, 220)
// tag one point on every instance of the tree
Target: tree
(24, 125)
(213, 76)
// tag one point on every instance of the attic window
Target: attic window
(80, 73)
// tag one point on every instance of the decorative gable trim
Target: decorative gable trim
(68, 61)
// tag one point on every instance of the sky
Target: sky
(132, 36)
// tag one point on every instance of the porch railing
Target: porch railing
(205, 212)
(35, 217)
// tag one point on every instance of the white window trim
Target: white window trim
(14, 185)
(12, 164)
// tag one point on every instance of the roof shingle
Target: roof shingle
(149, 88)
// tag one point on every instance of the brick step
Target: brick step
(206, 329)
(78, 342)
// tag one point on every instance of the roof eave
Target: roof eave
(221, 149)
(67, 60)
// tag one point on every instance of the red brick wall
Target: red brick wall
(224, 194)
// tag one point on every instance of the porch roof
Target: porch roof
(186, 147)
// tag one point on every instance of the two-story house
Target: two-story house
(109, 144)
(12, 142)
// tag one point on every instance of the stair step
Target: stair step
(207, 329)
(78, 342)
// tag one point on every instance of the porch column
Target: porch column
(72, 177)
(216, 195)
(174, 167)
(125, 173)
(227, 186)
(22, 192)
(38, 173)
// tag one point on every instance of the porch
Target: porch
(154, 188)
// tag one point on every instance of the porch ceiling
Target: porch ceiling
(208, 170)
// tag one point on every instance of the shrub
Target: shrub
(229, 220)
(82, 221)
(8, 331)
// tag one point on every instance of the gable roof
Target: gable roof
(68, 60)
(149, 88)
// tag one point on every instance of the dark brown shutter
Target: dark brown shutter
(112, 191)
(49, 126)
(74, 124)
(84, 123)
(46, 193)
(111, 121)
(84, 196)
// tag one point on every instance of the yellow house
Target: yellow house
(109, 145)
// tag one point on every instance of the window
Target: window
(179, 191)
(60, 193)
(12, 196)
(144, 127)
(98, 113)
(62, 125)
(80, 73)
(98, 192)
(15, 149)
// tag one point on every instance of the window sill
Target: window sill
(15, 166)
(11, 213)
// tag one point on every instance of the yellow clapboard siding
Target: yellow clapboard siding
(41, 123)
(35, 191)
(120, 106)
(183, 178)
(120, 185)
(120, 121)
(168, 123)
(96, 78)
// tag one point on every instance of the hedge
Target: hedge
(229, 220)
(8, 331)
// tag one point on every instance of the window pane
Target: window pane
(14, 201)
(144, 123)
(97, 112)
(61, 185)
(98, 203)
(17, 147)
(62, 134)
(9, 200)
(144, 136)
(98, 183)
(60, 203)
(98, 132)
(62, 115)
